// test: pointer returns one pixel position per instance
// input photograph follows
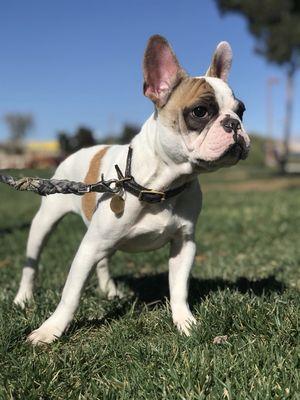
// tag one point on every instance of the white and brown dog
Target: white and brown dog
(196, 127)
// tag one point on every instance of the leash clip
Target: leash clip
(104, 186)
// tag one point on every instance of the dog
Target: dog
(196, 127)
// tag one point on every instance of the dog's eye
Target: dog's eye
(200, 112)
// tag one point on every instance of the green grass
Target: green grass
(245, 285)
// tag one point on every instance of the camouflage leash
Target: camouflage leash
(44, 187)
(125, 182)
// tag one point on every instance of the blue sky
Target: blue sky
(73, 63)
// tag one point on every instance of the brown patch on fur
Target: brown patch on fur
(92, 176)
(189, 93)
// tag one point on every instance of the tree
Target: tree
(18, 124)
(276, 26)
(83, 137)
(128, 132)
(64, 143)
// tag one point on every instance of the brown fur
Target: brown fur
(189, 92)
(92, 176)
(186, 95)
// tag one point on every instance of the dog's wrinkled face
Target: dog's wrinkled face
(200, 119)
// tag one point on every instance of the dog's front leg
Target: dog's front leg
(182, 254)
(89, 252)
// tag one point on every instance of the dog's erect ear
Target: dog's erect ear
(221, 62)
(161, 70)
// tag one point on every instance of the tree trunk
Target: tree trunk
(288, 117)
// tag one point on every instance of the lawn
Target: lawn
(245, 284)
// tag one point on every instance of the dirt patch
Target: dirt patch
(260, 185)
(5, 263)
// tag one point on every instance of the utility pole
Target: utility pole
(270, 150)
(270, 83)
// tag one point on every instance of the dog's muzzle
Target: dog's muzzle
(239, 147)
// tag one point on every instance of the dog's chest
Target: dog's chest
(151, 231)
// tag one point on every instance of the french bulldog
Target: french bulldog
(196, 127)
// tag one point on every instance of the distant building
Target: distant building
(35, 154)
(50, 147)
(42, 154)
(9, 160)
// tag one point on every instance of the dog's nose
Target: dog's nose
(231, 124)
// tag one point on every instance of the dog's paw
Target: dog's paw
(22, 298)
(184, 322)
(115, 292)
(45, 334)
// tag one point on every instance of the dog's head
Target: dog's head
(199, 118)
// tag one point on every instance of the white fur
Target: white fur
(160, 161)
(141, 227)
(223, 94)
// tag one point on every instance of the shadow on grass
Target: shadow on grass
(152, 291)
(12, 229)
(154, 288)
(118, 310)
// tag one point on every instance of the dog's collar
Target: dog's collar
(129, 184)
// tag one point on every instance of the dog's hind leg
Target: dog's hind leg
(106, 283)
(90, 252)
(52, 209)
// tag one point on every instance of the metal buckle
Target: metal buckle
(162, 195)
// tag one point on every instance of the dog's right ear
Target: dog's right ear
(162, 71)
(221, 62)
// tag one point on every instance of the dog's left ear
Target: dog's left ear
(162, 71)
(221, 62)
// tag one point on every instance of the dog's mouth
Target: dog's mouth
(232, 155)
(240, 147)
(238, 150)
